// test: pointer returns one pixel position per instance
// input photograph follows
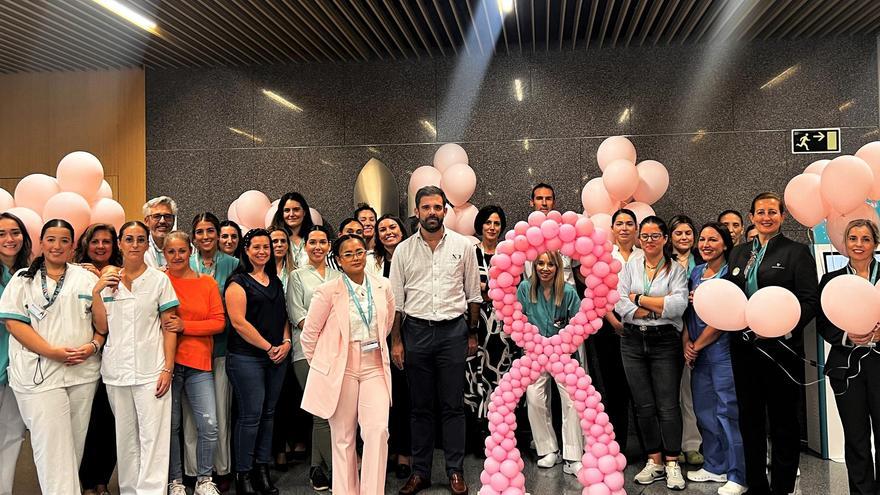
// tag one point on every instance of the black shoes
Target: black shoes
(318, 479)
(261, 481)
(243, 484)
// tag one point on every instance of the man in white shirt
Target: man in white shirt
(160, 215)
(543, 199)
(435, 279)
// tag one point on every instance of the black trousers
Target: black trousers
(767, 395)
(399, 440)
(609, 378)
(99, 455)
(296, 427)
(435, 365)
(859, 406)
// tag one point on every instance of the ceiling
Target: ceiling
(59, 35)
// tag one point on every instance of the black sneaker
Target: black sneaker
(318, 479)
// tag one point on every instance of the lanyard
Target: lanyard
(357, 301)
(200, 265)
(160, 258)
(753, 264)
(647, 283)
(50, 300)
(852, 271)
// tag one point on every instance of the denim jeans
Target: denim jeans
(198, 386)
(256, 383)
(653, 362)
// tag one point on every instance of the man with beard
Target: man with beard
(159, 215)
(435, 279)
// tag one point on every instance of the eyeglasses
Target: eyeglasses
(650, 237)
(352, 255)
(158, 217)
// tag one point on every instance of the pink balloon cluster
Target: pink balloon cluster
(458, 180)
(78, 194)
(623, 183)
(835, 191)
(770, 312)
(846, 292)
(576, 236)
(252, 209)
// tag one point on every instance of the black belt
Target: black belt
(649, 329)
(432, 323)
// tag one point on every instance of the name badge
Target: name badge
(37, 312)
(369, 345)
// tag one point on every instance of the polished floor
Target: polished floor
(817, 477)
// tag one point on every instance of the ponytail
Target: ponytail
(34, 267)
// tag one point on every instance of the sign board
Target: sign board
(805, 141)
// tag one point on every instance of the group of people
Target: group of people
(175, 354)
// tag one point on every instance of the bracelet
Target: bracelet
(288, 341)
(95, 345)
(270, 348)
(105, 334)
(166, 370)
(638, 297)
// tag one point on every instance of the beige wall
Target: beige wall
(44, 116)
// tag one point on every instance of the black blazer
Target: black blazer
(836, 364)
(788, 264)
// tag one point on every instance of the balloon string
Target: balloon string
(817, 365)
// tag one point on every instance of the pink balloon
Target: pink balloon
(846, 183)
(69, 206)
(870, 153)
(772, 311)
(464, 219)
(421, 177)
(534, 236)
(33, 191)
(80, 172)
(595, 198)
(837, 224)
(108, 211)
(641, 210)
(499, 482)
(653, 182)
(450, 220)
(6, 200)
(232, 213)
(816, 167)
(317, 219)
(104, 191)
(252, 206)
(621, 178)
(602, 221)
(803, 199)
(270, 215)
(33, 223)
(721, 304)
(459, 183)
(448, 155)
(846, 292)
(550, 229)
(615, 148)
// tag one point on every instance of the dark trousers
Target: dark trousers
(859, 408)
(99, 456)
(764, 392)
(435, 365)
(609, 377)
(256, 384)
(296, 425)
(653, 361)
(400, 440)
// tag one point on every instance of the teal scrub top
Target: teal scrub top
(544, 313)
(222, 268)
(5, 276)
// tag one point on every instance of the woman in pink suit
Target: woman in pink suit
(344, 340)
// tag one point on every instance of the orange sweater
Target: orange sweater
(201, 310)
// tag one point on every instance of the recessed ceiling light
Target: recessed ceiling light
(129, 15)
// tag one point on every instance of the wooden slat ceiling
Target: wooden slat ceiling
(60, 35)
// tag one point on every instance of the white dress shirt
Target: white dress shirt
(670, 284)
(435, 285)
(358, 331)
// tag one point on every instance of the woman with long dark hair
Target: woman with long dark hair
(98, 248)
(53, 362)
(257, 359)
(15, 252)
(294, 216)
(390, 232)
(230, 238)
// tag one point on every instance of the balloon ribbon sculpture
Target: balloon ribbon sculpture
(575, 236)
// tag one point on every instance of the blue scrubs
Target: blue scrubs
(714, 395)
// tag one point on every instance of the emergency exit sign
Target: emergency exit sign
(815, 140)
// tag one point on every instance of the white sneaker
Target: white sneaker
(732, 488)
(176, 488)
(650, 473)
(702, 476)
(549, 460)
(206, 487)
(571, 467)
(674, 479)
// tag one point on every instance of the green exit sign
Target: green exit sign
(815, 140)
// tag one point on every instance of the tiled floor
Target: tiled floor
(817, 477)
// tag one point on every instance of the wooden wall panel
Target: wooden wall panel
(44, 116)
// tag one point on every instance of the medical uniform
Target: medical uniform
(12, 431)
(55, 400)
(134, 357)
(714, 396)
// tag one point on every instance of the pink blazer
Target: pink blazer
(325, 341)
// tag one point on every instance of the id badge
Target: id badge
(369, 345)
(37, 312)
